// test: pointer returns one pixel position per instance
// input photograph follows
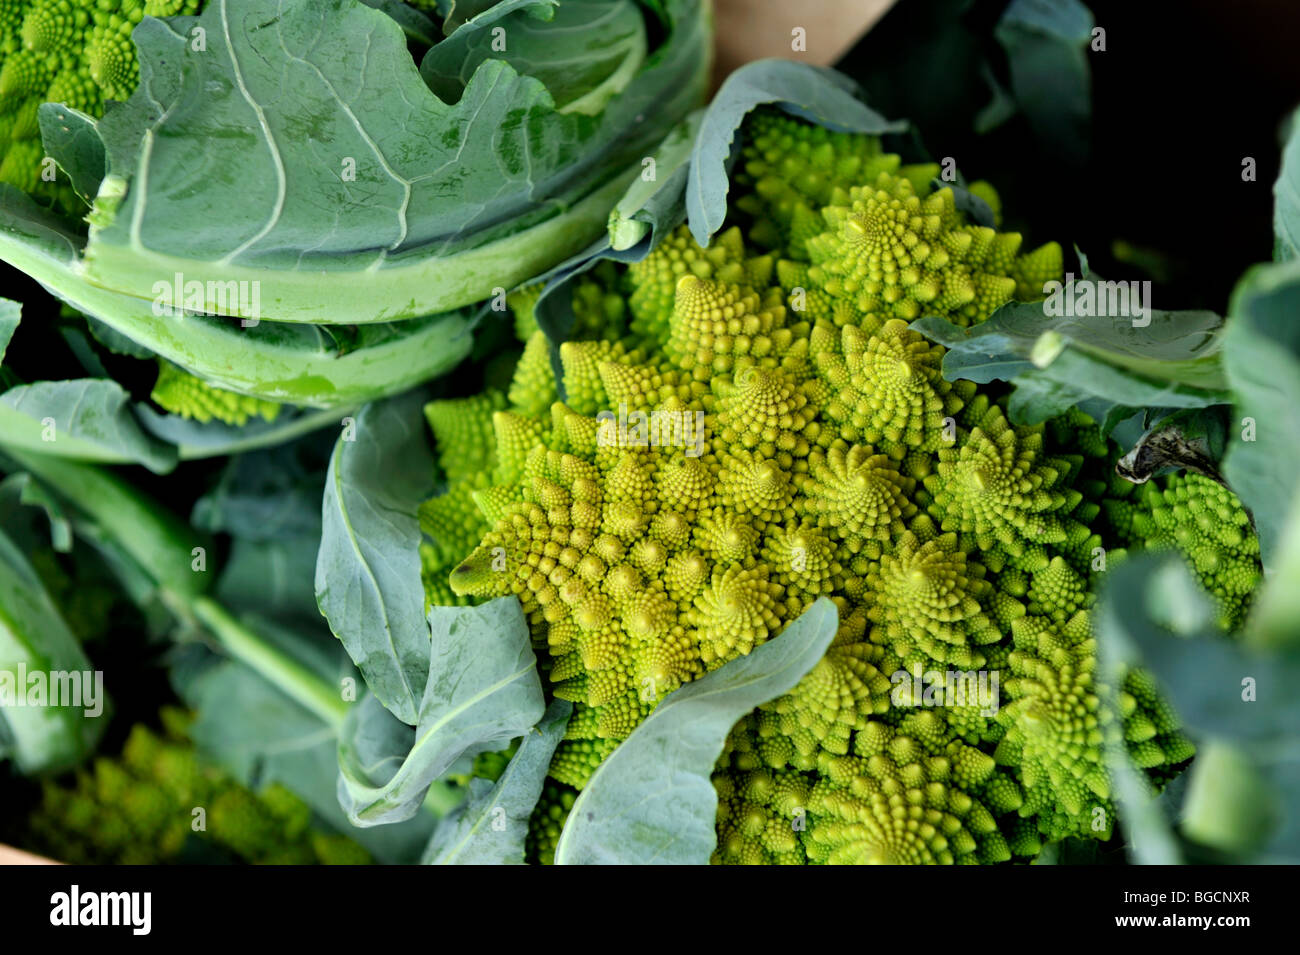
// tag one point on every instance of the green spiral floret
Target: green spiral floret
(1057, 728)
(889, 391)
(927, 607)
(905, 799)
(532, 390)
(766, 410)
(653, 280)
(860, 498)
(462, 433)
(850, 684)
(760, 813)
(715, 325)
(791, 170)
(1001, 493)
(893, 254)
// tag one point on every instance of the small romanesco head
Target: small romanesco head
(138, 808)
(181, 393)
(1207, 524)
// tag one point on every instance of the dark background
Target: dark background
(1183, 91)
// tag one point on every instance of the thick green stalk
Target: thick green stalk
(33, 634)
(293, 364)
(290, 676)
(398, 289)
(162, 545)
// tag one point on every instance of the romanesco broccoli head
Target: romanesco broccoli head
(738, 430)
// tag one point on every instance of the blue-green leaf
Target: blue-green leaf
(483, 690)
(269, 501)
(648, 210)
(1286, 196)
(489, 827)
(1141, 607)
(653, 206)
(473, 15)
(10, 312)
(298, 364)
(1046, 42)
(1171, 361)
(1016, 331)
(1237, 698)
(270, 576)
(260, 735)
(115, 341)
(416, 24)
(584, 52)
(1274, 620)
(209, 439)
(85, 418)
(976, 209)
(651, 800)
(345, 186)
(269, 494)
(1037, 398)
(368, 582)
(22, 489)
(70, 139)
(120, 521)
(1261, 357)
(1216, 685)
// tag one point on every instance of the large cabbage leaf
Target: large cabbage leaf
(344, 186)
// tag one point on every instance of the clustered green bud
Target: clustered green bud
(75, 52)
(157, 802)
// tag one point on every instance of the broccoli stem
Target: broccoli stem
(164, 549)
(290, 676)
(163, 546)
